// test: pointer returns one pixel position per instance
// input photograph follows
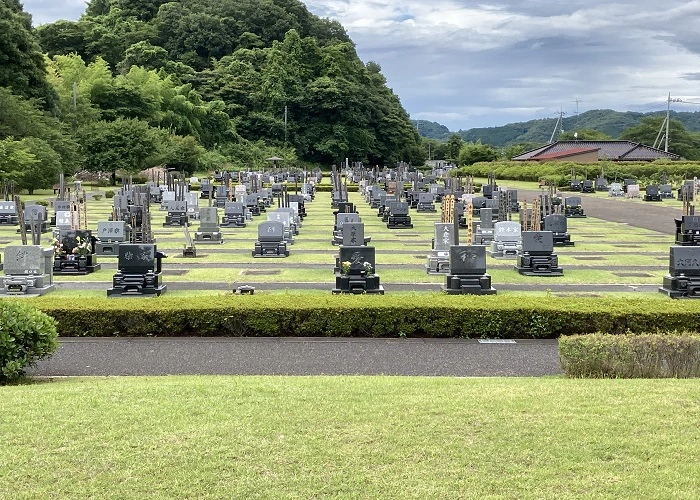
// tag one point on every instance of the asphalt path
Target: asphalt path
(300, 356)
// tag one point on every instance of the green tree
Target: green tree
(15, 159)
(473, 152)
(44, 172)
(126, 145)
(22, 66)
(21, 119)
(183, 154)
(680, 141)
(454, 145)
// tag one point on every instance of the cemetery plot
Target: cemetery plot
(395, 252)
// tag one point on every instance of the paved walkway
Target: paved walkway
(300, 356)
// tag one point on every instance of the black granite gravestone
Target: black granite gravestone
(537, 257)
(139, 271)
(357, 271)
(557, 224)
(573, 208)
(683, 278)
(468, 271)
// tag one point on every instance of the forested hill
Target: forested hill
(609, 122)
(280, 75)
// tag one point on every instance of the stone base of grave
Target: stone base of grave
(107, 248)
(425, 207)
(79, 265)
(338, 240)
(188, 251)
(26, 285)
(136, 284)
(501, 251)
(358, 284)
(271, 250)
(681, 287)
(45, 228)
(483, 238)
(539, 265)
(468, 284)
(687, 239)
(438, 263)
(648, 197)
(233, 221)
(176, 220)
(253, 209)
(399, 222)
(562, 240)
(209, 237)
(575, 213)
(9, 220)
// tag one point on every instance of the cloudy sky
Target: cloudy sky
(469, 64)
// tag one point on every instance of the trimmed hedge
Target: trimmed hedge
(560, 171)
(631, 356)
(405, 315)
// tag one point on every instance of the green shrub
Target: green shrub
(631, 356)
(97, 197)
(427, 316)
(109, 194)
(26, 335)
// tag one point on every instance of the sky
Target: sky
(469, 64)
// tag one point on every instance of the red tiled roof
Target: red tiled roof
(607, 150)
(564, 154)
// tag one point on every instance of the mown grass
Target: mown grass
(350, 437)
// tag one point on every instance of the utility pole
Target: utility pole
(556, 125)
(285, 125)
(576, 100)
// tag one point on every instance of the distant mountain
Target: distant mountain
(432, 130)
(607, 121)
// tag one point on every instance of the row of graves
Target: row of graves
(683, 278)
(355, 270)
(530, 242)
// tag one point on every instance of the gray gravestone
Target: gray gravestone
(111, 231)
(208, 219)
(486, 218)
(64, 218)
(61, 206)
(24, 260)
(353, 234)
(444, 237)
(507, 231)
(173, 206)
(270, 231)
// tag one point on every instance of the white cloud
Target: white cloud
(472, 64)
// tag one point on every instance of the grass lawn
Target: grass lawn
(350, 437)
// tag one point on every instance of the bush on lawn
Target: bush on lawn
(26, 335)
(631, 356)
